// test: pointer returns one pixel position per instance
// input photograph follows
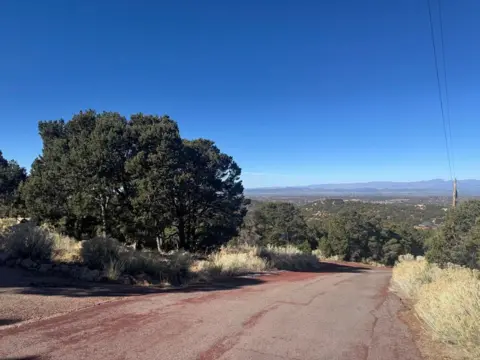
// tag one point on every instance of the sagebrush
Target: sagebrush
(28, 241)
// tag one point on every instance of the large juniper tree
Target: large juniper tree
(135, 180)
(79, 183)
(11, 176)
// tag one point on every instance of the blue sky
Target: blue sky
(298, 92)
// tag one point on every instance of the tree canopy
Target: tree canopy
(458, 241)
(136, 180)
(11, 176)
(348, 234)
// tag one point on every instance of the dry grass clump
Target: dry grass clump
(320, 256)
(66, 249)
(98, 252)
(409, 276)
(245, 259)
(447, 300)
(28, 241)
(450, 306)
(6, 224)
(289, 258)
(114, 269)
(171, 267)
(237, 263)
(230, 261)
(25, 240)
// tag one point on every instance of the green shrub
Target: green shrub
(28, 241)
(98, 252)
(305, 247)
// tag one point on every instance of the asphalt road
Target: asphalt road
(344, 313)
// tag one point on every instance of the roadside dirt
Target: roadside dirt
(28, 296)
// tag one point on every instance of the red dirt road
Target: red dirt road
(334, 315)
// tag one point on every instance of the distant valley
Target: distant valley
(435, 187)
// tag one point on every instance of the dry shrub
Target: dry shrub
(229, 261)
(447, 300)
(239, 260)
(289, 258)
(318, 253)
(406, 257)
(450, 306)
(410, 275)
(171, 267)
(114, 269)
(321, 257)
(6, 224)
(98, 252)
(237, 263)
(28, 241)
(66, 249)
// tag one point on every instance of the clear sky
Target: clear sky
(298, 92)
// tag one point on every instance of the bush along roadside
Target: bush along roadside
(446, 299)
(99, 259)
(106, 259)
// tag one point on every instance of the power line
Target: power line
(432, 32)
(445, 82)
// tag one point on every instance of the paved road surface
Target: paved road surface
(347, 314)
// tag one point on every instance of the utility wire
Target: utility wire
(432, 32)
(447, 102)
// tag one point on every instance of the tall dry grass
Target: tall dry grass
(173, 267)
(241, 260)
(447, 300)
(66, 249)
(115, 259)
(228, 262)
(450, 306)
(27, 241)
(37, 242)
(6, 224)
(409, 276)
(289, 258)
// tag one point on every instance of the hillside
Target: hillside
(412, 214)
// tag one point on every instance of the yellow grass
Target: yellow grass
(66, 249)
(114, 269)
(447, 300)
(6, 224)
(289, 258)
(450, 306)
(236, 264)
(230, 262)
(239, 260)
(410, 275)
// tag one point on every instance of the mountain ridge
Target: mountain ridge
(423, 187)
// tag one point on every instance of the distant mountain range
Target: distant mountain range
(435, 187)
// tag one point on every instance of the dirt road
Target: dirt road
(344, 313)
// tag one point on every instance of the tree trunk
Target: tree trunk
(104, 220)
(182, 244)
(159, 241)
